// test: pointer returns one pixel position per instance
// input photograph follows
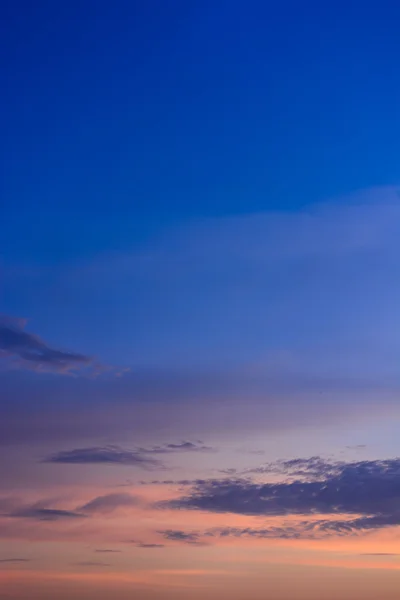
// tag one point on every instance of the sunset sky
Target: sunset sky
(200, 300)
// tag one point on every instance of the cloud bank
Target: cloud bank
(369, 490)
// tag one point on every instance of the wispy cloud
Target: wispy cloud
(110, 502)
(149, 546)
(113, 454)
(44, 514)
(184, 446)
(108, 455)
(177, 535)
(14, 560)
(26, 350)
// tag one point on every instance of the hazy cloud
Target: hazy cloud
(379, 554)
(45, 514)
(14, 560)
(110, 502)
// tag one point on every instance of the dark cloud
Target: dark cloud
(368, 489)
(106, 551)
(14, 560)
(230, 471)
(110, 502)
(142, 545)
(110, 455)
(180, 482)
(121, 456)
(44, 514)
(177, 535)
(27, 350)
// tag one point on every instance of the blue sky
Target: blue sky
(200, 249)
(126, 120)
(167, 111)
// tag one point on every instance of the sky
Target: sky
(199, 300)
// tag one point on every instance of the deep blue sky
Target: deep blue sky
(119, 117)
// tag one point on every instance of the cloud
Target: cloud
(110, 502)
(99, 505)
(369, 490)
(309, 468)
(177, 535)
(185, 446)
(149, 546)
(180, 482)
(14, 560)
(106, 551)
(44, 514)
(26, 350)
(289, 532)
(107, 455)
(112, 454)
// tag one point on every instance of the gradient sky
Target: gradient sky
(200, 292)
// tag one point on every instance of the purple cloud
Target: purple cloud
(44, 514)
(26, 350)
(367, 488)
(107, 455)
